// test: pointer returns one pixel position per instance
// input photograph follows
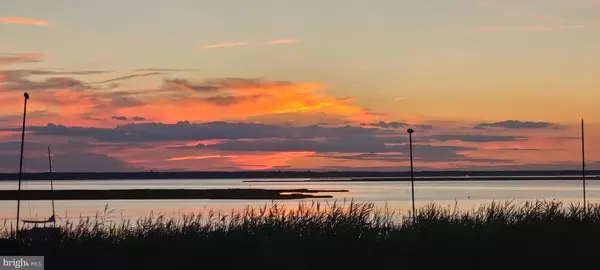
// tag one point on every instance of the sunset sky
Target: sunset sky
(299, 85)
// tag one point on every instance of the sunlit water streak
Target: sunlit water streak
(393, 195)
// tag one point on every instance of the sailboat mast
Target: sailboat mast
(51, 183)
(21, 159)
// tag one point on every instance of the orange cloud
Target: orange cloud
(25, 21)
(228, 99)
(62, 105)
(265, 161)
(20, 58)
(224, 45)
(239, 102)
(282, 41)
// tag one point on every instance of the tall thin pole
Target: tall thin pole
(412, 173)
(21, 160)
(583, 166)
(51, 184)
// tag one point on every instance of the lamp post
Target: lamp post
(583, 167)
(412, 174)
(21, 160)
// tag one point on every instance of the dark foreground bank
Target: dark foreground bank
(351, 236)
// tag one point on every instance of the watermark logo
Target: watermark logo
(22, 262)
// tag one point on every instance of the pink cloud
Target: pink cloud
(224, 45)
(200, 157)
(25, 21)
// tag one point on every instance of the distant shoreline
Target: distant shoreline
(423, 175)
(406, 179)
(166, 194)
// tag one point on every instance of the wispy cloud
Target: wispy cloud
(120, 118)
(160, 70)
(281, 41)
(27, 72)
(521, 10)
(20, 58)
(535, 28)
(122, 78)
(584, 3)
(224, 45)
(536, 18)
(516, 124)
(400, 98)
(26, 21)
(246, 43)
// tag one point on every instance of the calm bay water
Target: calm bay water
(396, 195)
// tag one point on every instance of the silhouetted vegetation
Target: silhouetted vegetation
(340, 236)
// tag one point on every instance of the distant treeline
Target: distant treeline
(275, 174)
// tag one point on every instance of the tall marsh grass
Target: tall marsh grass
(345, 235)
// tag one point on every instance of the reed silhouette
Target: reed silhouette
(335, 236)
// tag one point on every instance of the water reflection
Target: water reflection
(394, 195)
